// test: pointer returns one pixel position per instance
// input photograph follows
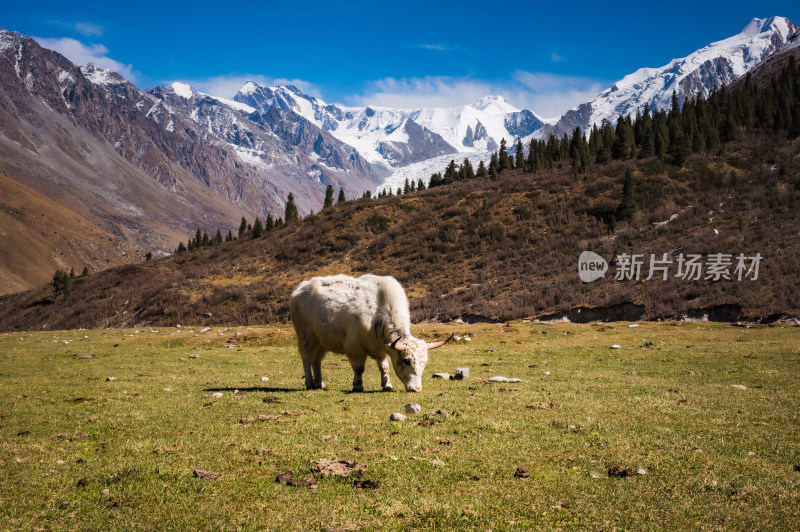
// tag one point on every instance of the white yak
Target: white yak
(363, 317)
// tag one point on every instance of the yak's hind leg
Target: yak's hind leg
(316, 367)
(384, 364)
(312, 354)
(357, 362)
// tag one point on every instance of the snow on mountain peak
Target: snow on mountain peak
(714, 65)
(9, 39)
(182, 89)
(249, 88)
(101, 76)
(758, 25)
(494, 104)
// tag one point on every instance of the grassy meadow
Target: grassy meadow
(85, 452)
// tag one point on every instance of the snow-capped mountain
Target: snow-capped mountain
(717, 64)
(151, 166)
(396, 138)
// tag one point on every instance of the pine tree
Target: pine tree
(258, 228)
(147, 258)
(420, 184)
(229, 236)
(181, 248)
(502, 158)
(198, 239)
(520, 162)
(270, 224)
(467, 170)
(328, 197)
(341, 198)
(85, 272)
(62, 284)
(406, 187)
(205, 241)
(242, 226)
(291, 213)
(494, 163)
(482, 172)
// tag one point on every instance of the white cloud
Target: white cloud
(88, 29)
(552, 95)
(430, 91)
(84, 28)
(80, 54)
(226, 86)
(548, 95)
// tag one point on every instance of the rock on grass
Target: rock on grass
(288, 479)
(206, 475)
(338, 468)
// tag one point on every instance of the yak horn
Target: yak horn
(440, 343)
(397, 345)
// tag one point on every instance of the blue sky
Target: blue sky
(544, 56)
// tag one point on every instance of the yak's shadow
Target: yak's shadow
(256, 389)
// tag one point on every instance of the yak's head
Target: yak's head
(410, 359)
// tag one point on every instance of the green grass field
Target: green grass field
(82, 452)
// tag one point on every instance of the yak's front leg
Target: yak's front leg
(383, 365)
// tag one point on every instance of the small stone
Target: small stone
(615, 346)
(194, 356)
(445, 376)
(739, 386)
(264, 379)
(462, 374)
(397, 416)
(546, 373)
(641, 472)
(205, 329)
(105, 491)
(632, 372)
(413, 408)
(632, 325)
(206, 314)
(206, 475)
(109, 379)
(246, 420)
(751, 453)
(216, 394)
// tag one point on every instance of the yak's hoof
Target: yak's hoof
(388, 388)
(359, 389)
(315, 387)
